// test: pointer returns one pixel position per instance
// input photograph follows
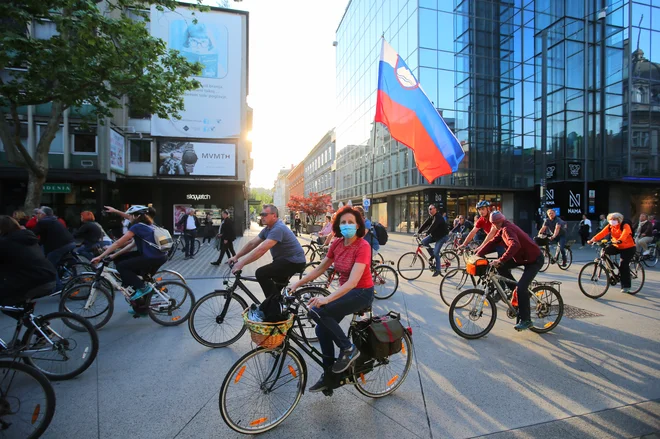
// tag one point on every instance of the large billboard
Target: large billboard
(215, 40)
(196, 159)
(117, 152)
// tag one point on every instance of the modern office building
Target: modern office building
(485, 64)
(319, 173)
(202, 160)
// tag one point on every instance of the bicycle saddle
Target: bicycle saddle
(363, 311)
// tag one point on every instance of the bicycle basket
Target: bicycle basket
(477, 267)
(541, 241)
(266, 334)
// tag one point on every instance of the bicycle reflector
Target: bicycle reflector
(409, 329)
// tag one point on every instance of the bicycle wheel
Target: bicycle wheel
(378, 258)
(477, 318)
(74, 268)
(410, 266)
(387, 374)
(210, 327)
(27, 401)
(448, 261)
(310, 253)
(171, 303)
(305, 294)
(97, 308)
(65, 353)
(386, 281)
(455, 282)
(594, 280)
(546, 260)
(196, 246)
(547, 308)
(87, 278)
(637, 277)
(651, 260)
(569, 260)
(261, 389)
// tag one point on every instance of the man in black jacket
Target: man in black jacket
(227, 236)
(55, 238)
(190, 223)
(435, 228)
(22, 262)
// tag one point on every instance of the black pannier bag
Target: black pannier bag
(379, 337)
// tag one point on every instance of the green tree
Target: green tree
(265, 196)
(100, 54)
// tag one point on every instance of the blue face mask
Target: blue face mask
(348, 230)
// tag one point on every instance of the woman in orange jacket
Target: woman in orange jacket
(624, 245)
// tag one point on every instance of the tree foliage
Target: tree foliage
(313, 206)
(101, 52)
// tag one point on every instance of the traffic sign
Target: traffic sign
(366, 203)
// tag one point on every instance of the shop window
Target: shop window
(140, 151)
(84, 143)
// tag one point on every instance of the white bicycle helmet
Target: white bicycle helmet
(137, 210)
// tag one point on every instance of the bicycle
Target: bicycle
(380, 273)
(471, 306)
(216, 321)
(27, 401)
(48, 344)
(411, 265)
(549, 259)
(596, 277)
(651, 259)
(265, 385)
(71, 265)
(179, 242)
(170, 302)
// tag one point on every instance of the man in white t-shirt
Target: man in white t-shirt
(189, 223)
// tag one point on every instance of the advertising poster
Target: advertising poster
(215, 41)
(117, 152)
(179, 212)
(196, 159)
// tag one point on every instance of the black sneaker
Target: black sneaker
(215, 263)
(319, 386)
(436, 273)
(346, 358)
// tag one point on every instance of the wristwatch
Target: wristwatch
(189, 158)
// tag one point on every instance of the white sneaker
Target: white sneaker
(646, 253)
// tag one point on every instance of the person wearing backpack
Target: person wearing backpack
(148, 258)
(624, 245)
(370, 236)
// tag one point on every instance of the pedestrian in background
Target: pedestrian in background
(585, 230)
(20, 217)
(209, 231)
(603, 222)
(298, 225)
(227, 236)
(190, 223)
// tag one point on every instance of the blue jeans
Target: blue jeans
(561, 239)
(55, 257)
(436, 251)
(328, 317)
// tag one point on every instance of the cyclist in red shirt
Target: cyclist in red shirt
(483, 223)
(352, 259)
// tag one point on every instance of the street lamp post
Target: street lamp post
(544, 115)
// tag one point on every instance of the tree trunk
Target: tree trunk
(34, 190)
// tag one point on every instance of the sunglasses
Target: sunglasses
(263, 214)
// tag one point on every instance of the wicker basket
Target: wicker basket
(266, 334)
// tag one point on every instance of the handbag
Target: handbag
(216, 243)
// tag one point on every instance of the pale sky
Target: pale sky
(292, 80)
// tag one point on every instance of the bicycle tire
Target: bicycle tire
(391, 379)
(177, 310)
(457, 279)
(544, 309)
(457, 323)
(98, 317)
(305, 320)
(593, 272)
(546, 260)
(310, 253)
(73, 268)
(34, 412)
(309, 267)
(380, 278)
(206, 307)
(238, 419)
(87, 350)
(173, 249)
(412, 264)
(637, 274)
(448, 261)
(378, 258)
(196, 246)
(569, 260)
(651, 260)
(161, 275)
(87, 277)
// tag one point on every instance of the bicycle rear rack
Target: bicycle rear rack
(553, 283)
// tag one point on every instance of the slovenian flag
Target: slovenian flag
(412, 119)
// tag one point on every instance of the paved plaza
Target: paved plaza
(596, 375)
